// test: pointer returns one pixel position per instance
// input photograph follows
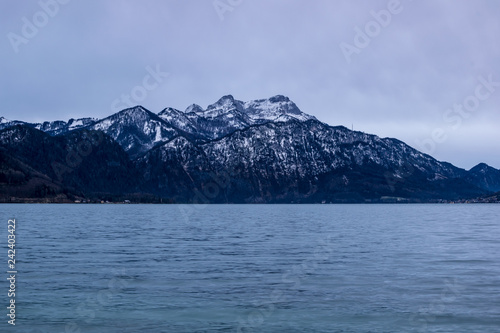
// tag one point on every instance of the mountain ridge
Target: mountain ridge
(281, 153)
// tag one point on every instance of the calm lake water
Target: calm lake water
(254, 268)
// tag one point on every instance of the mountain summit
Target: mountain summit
(228, 115)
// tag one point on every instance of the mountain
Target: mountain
(136, 130)
(5, 123)
(79, 163)
(301, 161)
(228, 115)
(59, 127)
(51, 127)
(180, 120)
(259, 151)
(485, 177)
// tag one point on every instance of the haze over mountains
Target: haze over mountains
(262, 151)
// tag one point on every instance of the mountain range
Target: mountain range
(261, 151)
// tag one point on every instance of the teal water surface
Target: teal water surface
(253, 268)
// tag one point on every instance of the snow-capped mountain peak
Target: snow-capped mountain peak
(136, 129)
(227, 100)
(194, 108)
(169, 113)
(179, 119)
(226, 104)
(276, 108)
(229, 114)
(80, 123)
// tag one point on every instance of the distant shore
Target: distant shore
(386, 200)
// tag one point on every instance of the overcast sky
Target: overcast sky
(392, 68)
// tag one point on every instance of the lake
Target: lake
(253, 268)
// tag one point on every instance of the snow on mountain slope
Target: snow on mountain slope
(59, 127)
(284, 158)
(5, 123)
(277, 108)
(136, 129)
(228, 115)
(52, 127)
(179, 120)
(217, 120)
(311, 148)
